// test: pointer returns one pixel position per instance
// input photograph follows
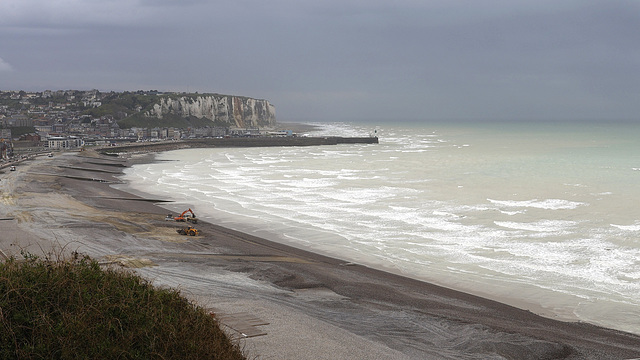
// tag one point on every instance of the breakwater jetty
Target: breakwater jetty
(238, 142)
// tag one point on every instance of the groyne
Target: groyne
(238, 142)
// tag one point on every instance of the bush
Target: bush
(73, 309)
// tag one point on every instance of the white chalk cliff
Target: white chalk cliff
(236, 111)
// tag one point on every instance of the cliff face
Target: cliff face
(236, 111)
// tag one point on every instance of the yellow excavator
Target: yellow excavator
(188, 231)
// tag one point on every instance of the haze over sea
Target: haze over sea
(540, 215)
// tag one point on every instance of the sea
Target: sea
(541, 215)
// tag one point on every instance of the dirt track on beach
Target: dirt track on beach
(281, 302)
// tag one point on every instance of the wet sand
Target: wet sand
(279, 301)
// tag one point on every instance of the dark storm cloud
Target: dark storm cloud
(340, 59)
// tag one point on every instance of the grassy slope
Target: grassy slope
(75, 309)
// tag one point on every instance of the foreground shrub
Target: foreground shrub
(73, 309)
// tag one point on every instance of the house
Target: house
(33, 137)
(18, 120)
(63, 142)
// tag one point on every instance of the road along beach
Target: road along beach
(281, 302)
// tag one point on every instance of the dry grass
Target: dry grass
(74, 309)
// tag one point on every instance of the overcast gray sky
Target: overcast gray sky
(340, 59)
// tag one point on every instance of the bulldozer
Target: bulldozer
(188, 231)
(185, 217)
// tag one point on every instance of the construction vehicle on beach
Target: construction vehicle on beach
(188, 231)
(184, 217)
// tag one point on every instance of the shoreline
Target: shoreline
(316, 307)
(268, 235)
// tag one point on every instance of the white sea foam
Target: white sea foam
(512, 212)
(548, 204)
(635, 227)
(543, 225)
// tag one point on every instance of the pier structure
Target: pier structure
(238, 142)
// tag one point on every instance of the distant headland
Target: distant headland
(112, 114)
(66, 119)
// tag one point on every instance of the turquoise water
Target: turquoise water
(539, 215)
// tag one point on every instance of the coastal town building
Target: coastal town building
(5, 149)
(17, 120)
(32, 137)
(63, 142)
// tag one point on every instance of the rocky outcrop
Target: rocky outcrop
(235, 111)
